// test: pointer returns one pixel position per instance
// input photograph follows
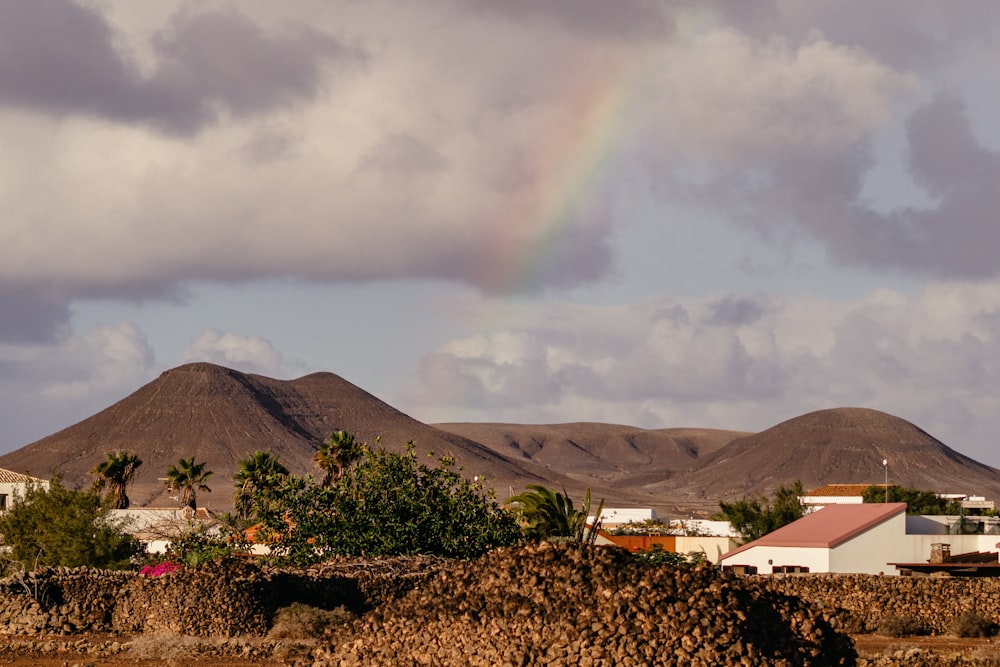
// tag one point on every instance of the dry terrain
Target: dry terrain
(220, 416)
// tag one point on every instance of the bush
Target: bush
(388, 505)
(300, 621)
(973, 624)
(64, 527)
(902, 626)
(660, 556)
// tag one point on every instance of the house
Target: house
(14, 485)
(155, 527)
(854, 538)
(835, 494)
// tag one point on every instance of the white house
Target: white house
(13, 485)
(834, 494)
(156, 526)
(852, 538)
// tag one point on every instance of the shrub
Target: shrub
(660, 556)
(159, 570)
(901, 626)
(389, 504)
(300, 621)
(973, 624)
(58, 526)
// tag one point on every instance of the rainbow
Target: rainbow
(573, 181)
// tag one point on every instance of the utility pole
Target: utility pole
(885, 464)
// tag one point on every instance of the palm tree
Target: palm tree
(115, 473)
(259, 471)
(335, 455)
(550, 514)
(189, 477)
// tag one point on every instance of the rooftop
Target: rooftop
(828, 527)
(11, 477)
(842, 490)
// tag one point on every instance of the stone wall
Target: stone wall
(225, 599)
(858, 603)
(239, 598)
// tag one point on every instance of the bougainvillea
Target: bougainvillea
(159, 570)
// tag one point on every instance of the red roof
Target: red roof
(848, 490)
(828, 527)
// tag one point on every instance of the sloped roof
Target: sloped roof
(828, 527)
(11, 477)
(842, 490)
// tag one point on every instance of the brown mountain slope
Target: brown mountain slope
(609, 454)
(220, 416)
(842, 445)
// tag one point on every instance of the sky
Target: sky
(655, 213)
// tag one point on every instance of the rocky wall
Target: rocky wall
(238, 598)
(858, 603)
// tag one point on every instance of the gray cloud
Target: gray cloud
(29, 316)
(624, 18)
(64, 58)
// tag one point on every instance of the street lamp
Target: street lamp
(885, 464)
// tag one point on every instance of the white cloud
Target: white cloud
(931, 357)
(250, 354)
(46, 387)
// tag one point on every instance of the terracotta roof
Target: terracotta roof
(10, 477)
(828, 527)
(831, 490)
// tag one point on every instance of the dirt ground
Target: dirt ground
(97, 651)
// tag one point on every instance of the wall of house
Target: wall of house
(766, 558)
(870, 551)
(712, 547)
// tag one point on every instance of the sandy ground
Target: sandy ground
(186, 652)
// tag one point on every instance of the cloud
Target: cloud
(28, 316)
(931, 358)
(250, 354)
(45, 387)
(64, 58)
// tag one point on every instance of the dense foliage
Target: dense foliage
(115, 473)
(386, 504)
(546, 514)
(259, 471)
(188, 478)
(64, 527)
(754, 517)
(660, 556)
(917, 501)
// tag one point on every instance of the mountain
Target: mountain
(220, 416)
(840, 445)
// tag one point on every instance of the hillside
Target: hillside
(841, 445)
(220, 416)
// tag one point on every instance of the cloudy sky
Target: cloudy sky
(658, 213)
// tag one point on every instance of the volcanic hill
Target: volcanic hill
(220, 416)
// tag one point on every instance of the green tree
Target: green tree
(547, 513)
(754, 517)
(917, 501)
(259, 471)
(388, 504)
(115, 473)
(64, 527)
(335, 455)
(189, 478)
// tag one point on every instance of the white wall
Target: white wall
(765, 558)
(871, 551)
(712, 547)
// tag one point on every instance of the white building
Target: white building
(13, 486)
(853, 538)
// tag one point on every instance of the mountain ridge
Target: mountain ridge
(221, 415)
